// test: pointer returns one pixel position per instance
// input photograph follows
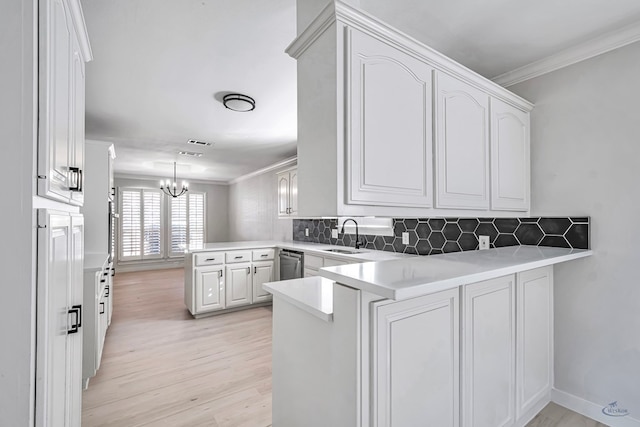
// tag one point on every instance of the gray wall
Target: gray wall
(17, 256)
(217, 203)
(253, 210)
(586, 161)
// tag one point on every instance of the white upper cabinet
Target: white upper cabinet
(288, 193)
(389, 127)
(510, 163)
(462, 145)
(389, 136)
(63, 50)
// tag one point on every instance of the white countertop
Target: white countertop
(311, 294)
(416, 276)
(317, 248)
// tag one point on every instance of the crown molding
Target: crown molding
(352, 17)
(81, 29)
(287, 162)
(593, 47)
(159, 178)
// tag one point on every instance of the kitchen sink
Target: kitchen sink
(342, 251)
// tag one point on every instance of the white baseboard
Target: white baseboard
(591, 410)
(144, 266)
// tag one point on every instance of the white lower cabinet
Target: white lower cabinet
(263, 272)
(488, 357)
(209, 284)
(534, 342)
(238, 284)
(416, 365)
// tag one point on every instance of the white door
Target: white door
(283, 194)
(509, 157)
(416, 374)
(238, 284)
(77, 126)
(293, 192)
(54, 139)
(534, 364)
(53, 318)
(389, 141)
(488, 356)
(262, 273)
(462, 145)
(209, 288)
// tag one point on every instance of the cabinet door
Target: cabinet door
(416, 375)
(238, 285)
(283, 194)
(263, 272)
(210, 288)
(510, 164)
(77, 126)
(293, 192)
(488, 357)
(54, 139)
(462, 145)
(53, 318)
(75, 340)
(389, 142)
(534, 364)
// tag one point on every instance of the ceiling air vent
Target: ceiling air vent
(190, 153)
(200, 143)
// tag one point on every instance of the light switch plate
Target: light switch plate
(334, 233)
(483, 242)
(306, 232)
(405, 238)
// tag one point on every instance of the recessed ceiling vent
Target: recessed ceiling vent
(200, 143)
(190, 153)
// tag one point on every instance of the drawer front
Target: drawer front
(237, 256)
(330, 262)
(208, 258)
(263, 254)
(312, 261)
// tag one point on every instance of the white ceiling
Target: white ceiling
(161, 67)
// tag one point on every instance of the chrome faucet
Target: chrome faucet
(358, 244)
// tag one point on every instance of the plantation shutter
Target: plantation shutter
(187, 223)
(130, 233)
(152, 223)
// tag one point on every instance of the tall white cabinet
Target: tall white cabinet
(63, 49)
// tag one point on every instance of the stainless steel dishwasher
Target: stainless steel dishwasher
(291, 264)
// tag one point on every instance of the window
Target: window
(140, 224)
(186, 223)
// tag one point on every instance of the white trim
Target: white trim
(288, 162)
(127, 267)
(338, 11)
(590, 409)
(159, 178)
(593, 47)
(81, 29)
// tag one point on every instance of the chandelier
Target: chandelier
(170, 188)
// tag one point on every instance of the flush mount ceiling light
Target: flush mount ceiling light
(239, 102)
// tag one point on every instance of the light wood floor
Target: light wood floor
(161, 367)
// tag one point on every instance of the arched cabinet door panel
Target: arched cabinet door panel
(389, 120)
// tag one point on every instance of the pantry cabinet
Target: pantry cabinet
(288, 193)
(383, 105)
(462, 145)
(59, 338)
(63, 50)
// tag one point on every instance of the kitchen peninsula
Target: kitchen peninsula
(456, 339)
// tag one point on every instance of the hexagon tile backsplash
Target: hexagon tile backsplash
(430, 236)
